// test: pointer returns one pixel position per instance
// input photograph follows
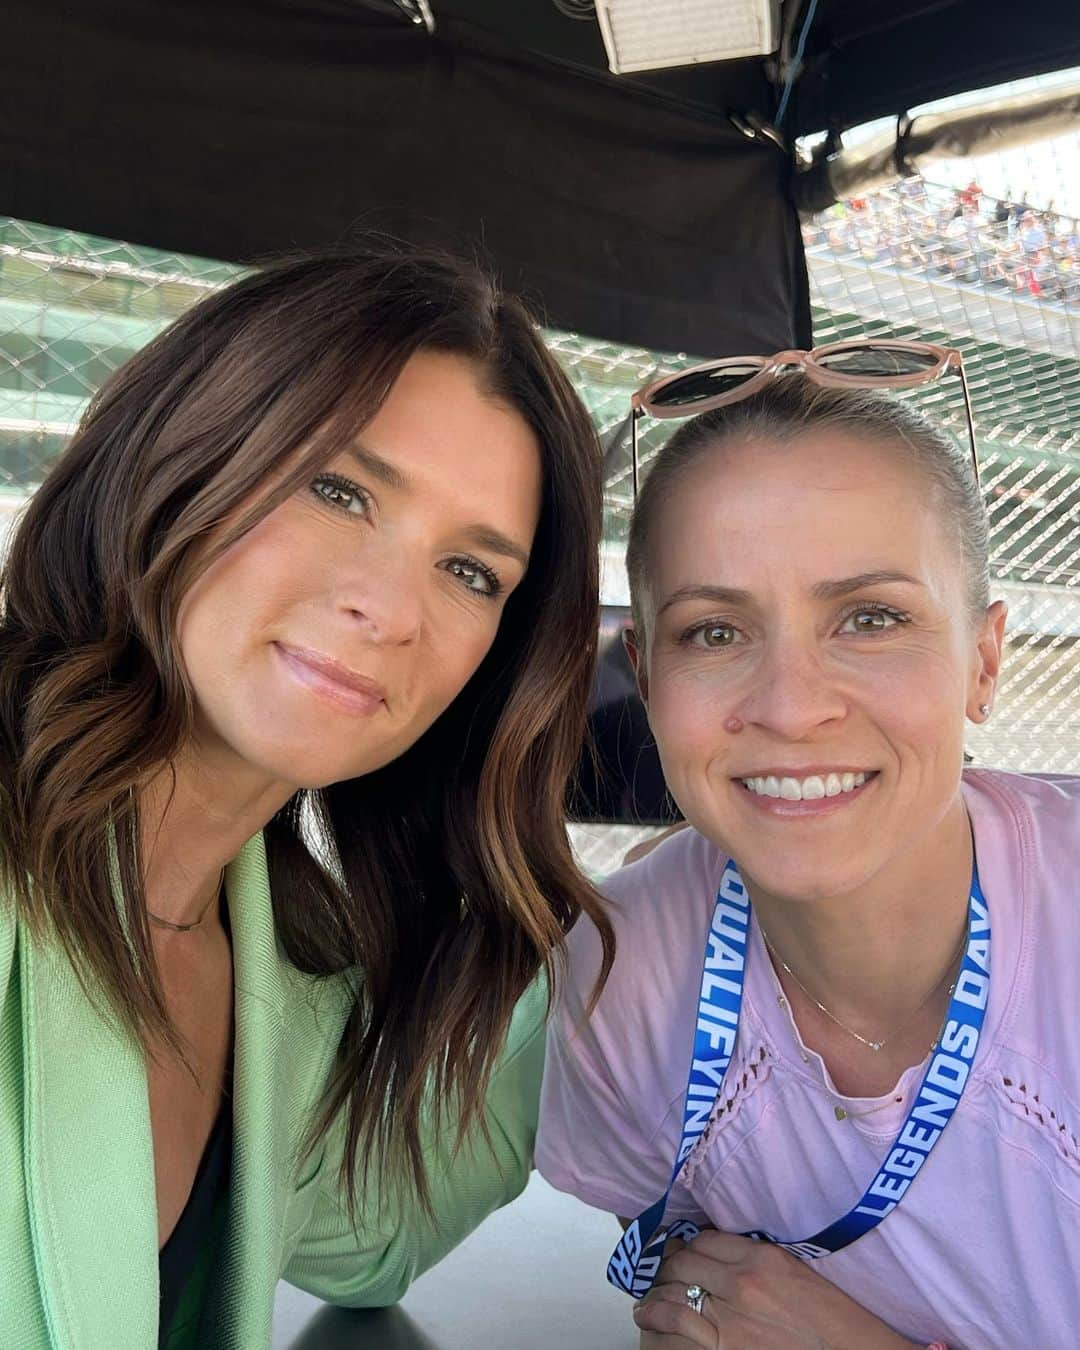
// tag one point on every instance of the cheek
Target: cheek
(456, 642)
(261, 575)
(919, 694)
(687, 713)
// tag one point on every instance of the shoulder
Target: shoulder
(658, 906)
(683, 858)
(1031, 823)
(1032, 787)
(524, 1042)
(1027, 833)
(614, 1081)
(661, 909)
(1027, 845)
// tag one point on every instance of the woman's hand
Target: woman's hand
(759, 1297)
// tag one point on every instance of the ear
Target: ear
(988, 646)
(635, 653)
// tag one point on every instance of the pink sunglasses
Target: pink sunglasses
(888, 364)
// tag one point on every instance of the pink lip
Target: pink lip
(330, 680)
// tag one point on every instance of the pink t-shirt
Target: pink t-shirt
(984, 1249)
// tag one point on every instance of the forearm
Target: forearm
(375, 1265)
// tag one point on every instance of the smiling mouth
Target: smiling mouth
(812, 787)
(331, 680)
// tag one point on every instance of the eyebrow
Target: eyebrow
(833, 590)
(378, 467)
(821, 590)
(487, 537)
(716, 595)
(480, 536)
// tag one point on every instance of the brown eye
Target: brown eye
(718, 635)
(341, 494)
(474, 576)
(711, 635)
(872, 620)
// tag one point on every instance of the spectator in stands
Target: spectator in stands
(1032, 233)
(877, 1009)
(953, 236)
(970, 196)
(1003, 211)
(964, 241)
(295, 650)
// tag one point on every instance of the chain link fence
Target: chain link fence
(73, 308)
(999, 280)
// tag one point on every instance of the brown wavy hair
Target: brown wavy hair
(451, 883)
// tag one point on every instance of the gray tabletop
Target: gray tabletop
(530, 1278)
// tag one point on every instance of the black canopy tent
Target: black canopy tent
(630, 207)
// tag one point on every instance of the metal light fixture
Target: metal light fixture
(650, 34)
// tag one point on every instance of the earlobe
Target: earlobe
(991, 638)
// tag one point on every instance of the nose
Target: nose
(793, 695)
(381, 591)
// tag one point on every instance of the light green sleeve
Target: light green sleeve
(375, 1266)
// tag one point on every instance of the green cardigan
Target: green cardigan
(78, 1214)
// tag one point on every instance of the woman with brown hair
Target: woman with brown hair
(294, 655)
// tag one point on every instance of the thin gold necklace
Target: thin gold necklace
(187, 927)
(863, 1040)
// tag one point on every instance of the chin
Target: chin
(799, 887)
(803, 880)
(301, 769)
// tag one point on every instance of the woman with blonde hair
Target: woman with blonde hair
(833, 1082)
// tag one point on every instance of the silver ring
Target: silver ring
(696, 1296)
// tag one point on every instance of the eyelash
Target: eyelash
(361, 495)
(489, 575)
(344, 485)
(872, 607)
(687, 638)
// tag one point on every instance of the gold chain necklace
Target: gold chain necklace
(863, 1040)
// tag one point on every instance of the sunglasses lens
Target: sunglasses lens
(698, 385)
(865, 362)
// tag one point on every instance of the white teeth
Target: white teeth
(808, 789)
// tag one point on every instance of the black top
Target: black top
(196, 1224)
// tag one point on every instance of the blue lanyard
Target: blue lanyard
(637, 1258)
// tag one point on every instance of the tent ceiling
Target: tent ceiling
(864, 58)
(630, 207)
